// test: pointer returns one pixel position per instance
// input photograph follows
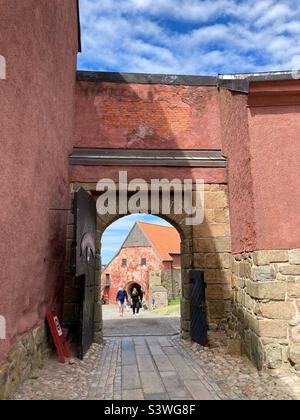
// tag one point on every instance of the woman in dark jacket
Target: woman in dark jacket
(136, 301)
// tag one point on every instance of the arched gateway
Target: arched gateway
(144, 128)
(146, 132)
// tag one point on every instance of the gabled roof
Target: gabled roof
(165, 240)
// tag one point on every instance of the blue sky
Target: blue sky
(186, 37)
(190, 36)
(115, 234)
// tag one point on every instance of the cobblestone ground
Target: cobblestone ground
(158, 368)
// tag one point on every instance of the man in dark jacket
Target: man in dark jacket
(122, 297)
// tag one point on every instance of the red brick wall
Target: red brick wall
(121, 115)
(134, 272)
(147, 116)
(39, 40)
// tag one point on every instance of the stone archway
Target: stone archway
(206, 247)
(185, 232)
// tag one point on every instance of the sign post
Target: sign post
(58, 337)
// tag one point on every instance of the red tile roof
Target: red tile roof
(166, 240)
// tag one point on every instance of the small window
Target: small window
(107, 280)
(143, 261)
(124, 262)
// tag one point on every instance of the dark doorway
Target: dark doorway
(136, 286)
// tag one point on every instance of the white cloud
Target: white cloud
(190, 36)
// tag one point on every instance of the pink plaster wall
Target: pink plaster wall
(260, 137)
(39, 41)
(236, 147)
(147, 116)
(274, 129)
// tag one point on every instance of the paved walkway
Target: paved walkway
(157, 368)
(147, 323)
(150, 368)
(144, 359)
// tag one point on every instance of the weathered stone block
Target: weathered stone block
(199, 260)
(247, 270)
(209, 216)
(98, 312)
(186, 246)
(211, 230)
(217, 276)
(225, 260)
(185, 275)
(221, 216)
(294, 256)
(187, 261)
(273, 356)
(217, 260)
(218, 292)
(218, 187)
(186, 291)
(267, 290)
(294, 354)
(263, 273)
(235, 282)
(212, 261)
(271, 328)
(24, 357)
(241, 272)
(295, 333)
(280, 277)
(185, 325)
(249, 302)
(236, 267)
(290, 270)
(293, 290)
(267, 257)
(219, 309)
(212, 245)
(280, 310)
(215, 199)
(240, 297)
(257, 351)
(185, 309)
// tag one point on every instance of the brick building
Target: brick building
(149, 259)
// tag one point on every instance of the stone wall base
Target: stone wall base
(28, 354)
(266, 312)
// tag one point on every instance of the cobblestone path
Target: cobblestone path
(157, 368)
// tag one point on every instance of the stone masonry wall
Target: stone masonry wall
(267, 306)
(171, 280)
(212, 254)
(28, 354)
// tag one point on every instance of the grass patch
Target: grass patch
(172, 310)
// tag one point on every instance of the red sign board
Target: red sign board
(58, 337)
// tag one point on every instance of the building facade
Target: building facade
(149, 260)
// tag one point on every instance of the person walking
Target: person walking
(136, 301)
(121, 298)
